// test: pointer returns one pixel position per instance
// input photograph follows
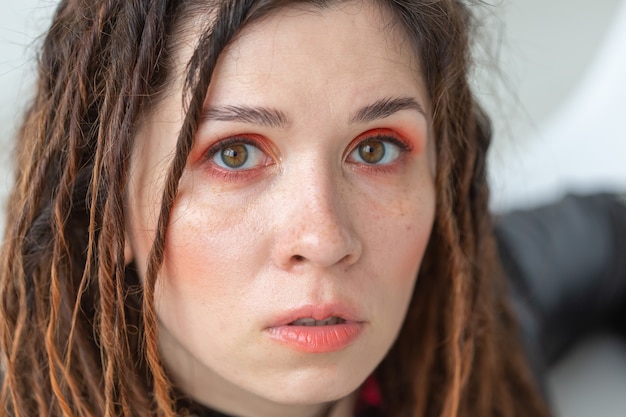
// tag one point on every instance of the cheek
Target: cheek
(207, 263)
(398, 231)
(396, 224)
(399, 219)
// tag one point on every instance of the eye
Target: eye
(238, 154)
(378, 149)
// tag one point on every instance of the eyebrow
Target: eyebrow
(385, 108)
(275, 118)
(256, 115)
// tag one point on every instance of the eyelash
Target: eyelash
(385, 136)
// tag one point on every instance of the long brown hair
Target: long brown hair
(78, 332)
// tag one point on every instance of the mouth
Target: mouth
(321, 329)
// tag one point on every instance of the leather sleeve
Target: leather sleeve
(566, 263)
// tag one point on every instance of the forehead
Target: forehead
(355, 43)
(313, 26)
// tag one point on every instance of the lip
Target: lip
(316, 339)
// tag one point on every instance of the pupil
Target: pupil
(235, 156)
(372, 151)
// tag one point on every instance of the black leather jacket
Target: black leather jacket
(567, 268)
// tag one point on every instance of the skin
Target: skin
(307, 222)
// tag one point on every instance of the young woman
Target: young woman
(256, 208)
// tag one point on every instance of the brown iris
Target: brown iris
(372, 151)
(235, 156)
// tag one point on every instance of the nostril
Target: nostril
(298, 258)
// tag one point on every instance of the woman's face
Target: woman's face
(308, 199)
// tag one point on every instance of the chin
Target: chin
(307, 388)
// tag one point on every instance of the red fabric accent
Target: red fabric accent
(370, 393)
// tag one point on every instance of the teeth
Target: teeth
(304, 322)
(312, 322)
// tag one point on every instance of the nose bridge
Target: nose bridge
(320, 196)
(317, 229)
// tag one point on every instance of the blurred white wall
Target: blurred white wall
(558, 109)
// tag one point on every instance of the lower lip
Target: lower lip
(317, 339)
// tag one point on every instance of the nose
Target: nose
(315, 225)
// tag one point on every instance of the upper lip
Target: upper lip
(317, 312)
